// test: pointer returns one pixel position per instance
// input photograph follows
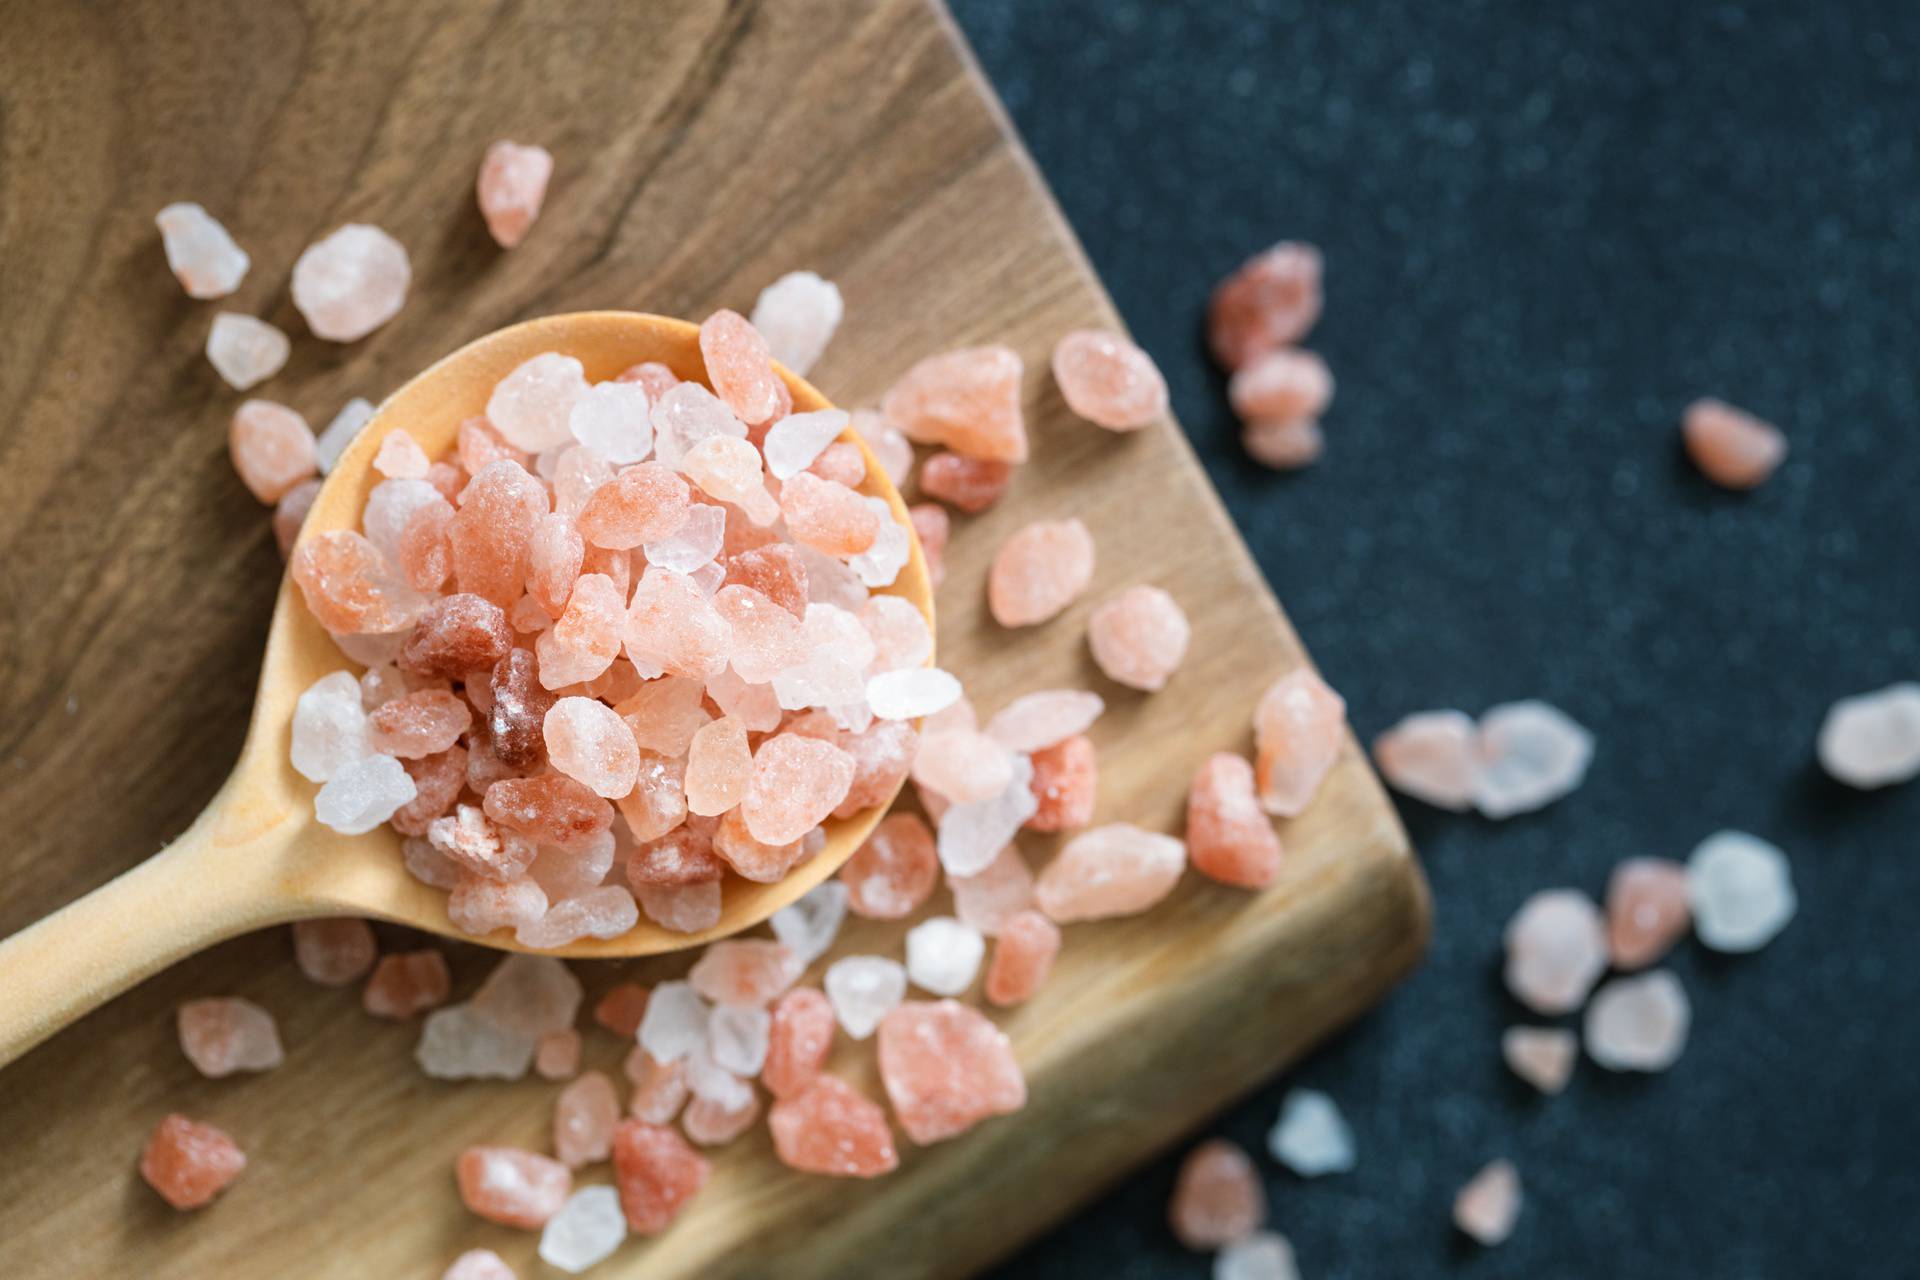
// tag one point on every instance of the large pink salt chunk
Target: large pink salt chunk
(1731, 447)
(889, 876)
(1229, 836)
(672, 626)
(333, 952)
(1432, 756)
(1139, 637)
(1284, 446)
(798, 1041)
(1282, 386)
(766, 639)
(492, 533)
(1489, 1205)
(1298, 729)
(827, 516)
(584, 1116)
(552, 808)
(407, 983)
(962, 766)
(272, 448)
(797, 782)
(586, 638)
(590, 743)
(190, 1163)
(833, 1128)
(986, 900)
(750, 971)
(1023, 957)
(1065, 782)
(1036, 720)
(1108, 380)
(946, 1068)
(657, 1174)
(223, 1035)
(517, 720)
(643, 503)
(738, 366)
(200, 252)
(1271, 301)
(511, 188)
(659, 1088)
(421, 724)
(1647, 910)
(1115, 870)
(965, 484)
(968, 400)
(658, 802)
(512, 1187)
(1039, 571)
(351, 282)
(1556, 949)
(1218, 1197)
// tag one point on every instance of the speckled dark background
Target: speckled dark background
(1547, 227)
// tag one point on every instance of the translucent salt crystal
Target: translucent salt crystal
(371, 648)
(659, 1088)
(333, 952)
(400, 457)
(890, 448)
(1023, 958)
(797, 439)
(665, 714)
(737, 1038)
(738, 365)
(428, 865)
(329, 727)
(1542, 1056)
(1873, 739)
(889, 876)
(589, 742)
(1039, 571)
(946, 1068)
(862, 989)
(748, 971)
(478, 1264)
(880, 564)
(707, 1079)
(1488, 1206)
(968, 400)
(529, 995)
(1270, 301)
(190, 1163)
(1732, 448)
(200, 252)
(1115, 870)
(556, 1056)
(827, 516)
(1229, 836)
(681, 908)
(962, 765)
(1284, 446)
(1038, 720)
(944, 955)
(719, 765)
(457, 1043)
(391, 508)
(829, 581)
(511, 188)
(1218, 1197)
(986, 901)
(1108, 380)
(1531, 754)
(421, 724)
(588, 1228)
(797, 782)
(1556, 949)
(965, 484)
(713, 1125)
(584, 1115)
(478, 905)
(1299, 727)
(797, 315)
(481, 846)
(684, 416)
(807, 927)
(972, 835)
(1066, 779)
(674, 628)
(291, 513)
(657, 1173)
(362, 794)
(1264, 1255)
(765, 638)
(901, 637)
(514, 1188)
(245, 351)
(912, 693)
(271, 448)
(614, 420)
(621, 1009)
(675, 1023)
(1281, 387)
(1433, 756)
(728, 470)
(350, 283)
(934, 528)
(339, 433)
(226, 1034)
(532, 407)
(1139, 637)
(1646, 910)
(834, 1129)
(799, 1038)
(606, 912)
(1311, 1137)
(1638, 1023)
(1741, 891)
(405, 984)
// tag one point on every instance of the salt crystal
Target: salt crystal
(1732, 448)
(1542, 1056)
(738, 366)
(1489, 1205)
(291, 513)
(862, 989)
(799, 1039)
(1873, 739)
(681, 908)
(1263, 1255)
(962, 765)
(1023, 958)
(1115, 870)
(456, 1043)
(1531, 754)
(673, 627)
(910, 694)
(514, 1188)
(901, 637)
(891, 449)
(832, 1128)
(797, 782)
(478, 1264)
(400, 457)
(748, 971)
(333, 952)
(828, 517)
(968, 400)
(245, 351)
(1646, 910)
(880, 564)
(1108, 380)
(329, 727)
(765, 638)
(479, 905)
(965, 484)
(532, 407)
(613, 419)
(944, 955)
(890, 875)
(1638, 1023)
(569, 872)
(712, 1125)
(1229, 836)
(797, 439)
(584, 1115)
(933, 527)
(808, 926)
(529, 995)
(972, 835)
(589, 742)
(405, 984)
(1311, 1137)
(719, 765)
(556, 1056)
(657, 1174)
(1556, 949)
(1298, 729)
(684, 416)
(1741, 891)
(428, 865)
(946, 1068)
(659, 1088)
(1270, 301)
(606, 912)
(1284, 446)
(1039, 571)
(271, 448)
(362, 794)
(707, 1079)
(351, 282)
(199, 251)
(829, 581)
(340, 431)
(1139, 637)
(621, 1009)
(675, 1023)
(1218, 1197)
(226, 1034)
(797, 314)
(1038, 720)
(987, 900)
(1433, 756)
(511, 188)
(420, 724)
(1281, 387)
(190, 1163)
(664, 715)
(1065, 784)
(737, 1038)
(586, 1231)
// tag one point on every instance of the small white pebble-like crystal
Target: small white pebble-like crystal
(332, 442)
(200, 252)
(708, 1079)
(698, 540)
(1311, 1137)
(912, 693)
(882, 562)
(1873, 739)
(1542, 1056)
(529, 995)
(586, 1231)
(1531, 754)
(362, 794)
(862, 989)
(1264, 1255)
(329, 727)
(245, 351)
(675, 1023)
(972, 835)
(797, 439)
(606, 912)
(1041, 719)
(1488, 1206)
(944, 955)
(456, 1043)
(1638, 1023)
(352, 282)
(532, 407)
(809, 926)
(612, 420)
(1556, 950)
(1741, 891)
(797, 315)
(737, 1038)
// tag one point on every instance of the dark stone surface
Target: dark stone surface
(1547, 227)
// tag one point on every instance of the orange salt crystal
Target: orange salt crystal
(552, 809)
(946, 1068)
(748, 971)
(712, 1124)
(1218, 1197)
(664, 714)
(719, 763)
(765, 638)
(512, 1187)
(659, 1088)
(554, 556)
(966, 484)
(739, 367)
(621, 1009)
(1229, 836)
(657, 1174)
(1023, 956)
(889, 876)
(455, 635)
(1115, 870)
(333, 952)
(1065, 777)
(511, 188)
(1271, 301)
(520, 705)
(775, 571)
(841, 463)
(349, 587)
(1281, 386)
(1108, 380)
(1284, 446)
(420, 724)
(408, 983)
(1039, 571)
(828, 517)
(448, 479)
(190, 1163)
(557, 1057)
(1298, 729)
(833, 1128)
(658, 802)
(272, 448)
(798, 1041)
(967, 400)
(584, 1117)
(933, 527)
(1732, 448)
(797, 782)
(492, 532)
(424, 553)
(1647, 911)
(1139, 637)
(291, 513)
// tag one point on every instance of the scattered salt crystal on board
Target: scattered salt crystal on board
(1039, 571)
(456, 1043)
(478, 1264)
(512, 1187)
(1229, 836)
(200, 252)
(556, 1056)
(985, 901)
(511, 187)
(808, 926)
(1218, 1197)
(351, 282)
(585, 1232)
(862, 990)
(946, 1068)
(1542, 1056)
(333, 952)
(621, 1009)
(944, 955)
(1139, 637)
(1299, 727)
(340, 431)
(895, 870)
(1638, 1023)
(799, 1038)
(222, 1035)
(675, 1022)
(1556, 950)
(1108, 380)
(584, 1116)
(1873, 739)
(657, 1173)
(832, 1128)
(737, 1038)
(967, 400)
(1741, 891)
(407, 983)
(972, 835)
(1023, 957)
(245, 351)
(271, 448)
(966, 484)
(713, 1125)
(798, 314)
(1037, 720)
(190, 1163)
(1115, 870)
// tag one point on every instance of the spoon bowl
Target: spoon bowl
(256, 856)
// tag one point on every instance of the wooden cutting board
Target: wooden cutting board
(704, 148)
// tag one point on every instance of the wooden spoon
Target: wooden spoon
(256, 856)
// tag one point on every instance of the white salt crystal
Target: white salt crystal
(854, 717)
(329, 727)
(737, 1038)
(809, 926)
(1488, 1206)
(972, 835)
(339, 433)
(901, 636)
(200, 252)
(1556, 950)
(458, 1044)
(890, 447)
(862, 989)
(362, 794)
(909, 694)
(1041, 719)
(708, 1079)
(350, 283)
(1311, 1137)
(606, 912)
(1531, 755)
(882, 562)
(797, 439)
(245, 351)
(1873, 739)
(1741, 891)
(829, 581)
(682, 908)
(944, 955)
(698, 540)
(389, 506)
(586, 1231)
(1638, 1023)
(613, 419)
(532, 407)
(675, 1023)
(988, 900)
(427, 864)
(797, 315)
(529, 996)
(687, 414)
(1263, 1255)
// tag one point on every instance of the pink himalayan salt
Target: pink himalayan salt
(516, 723)
(1531, 754)
(551, 808)
(455, 636)
(1284, 446)
(683, 856)
(557, 1057)
(477, 444)
(1108, 380)
(881, 756)
(245, 351)
(798, 1042)
(418, 725)
(933, 527)
(673, 627)
(512, 1187)
(1229, 836)
(757, 860)
(827, 516)
(200, 252)
(1271, 301)
(1647, 911)
(400, 457)
(480, 846)
(1732, 448)
(832, 1128)
(1023, 957)
(589, 742)
(271, 447)
(739, 366)
(1064, 782)
(967, 400)
(1283, 386)
(605, 912)
(1489, 1205)
(407, 983)
(1218, 1197)
(1542, 1056)
(657, 378)
(554, 556)
(1556, 949)
(719, 764)
(492, 533)
(1039, 571)
(766, 639)
(713, 1124)
(657, 1174)
(840, 462)
(351, 282)
(437, 782)
(1433, 756)
(1638, 1023)
(658, 802)
(798, 314)
(584, 1116)
(291, 514)
(965, 484)
(478, 905)
(797, 782)
(333, 952)
(1139, 637)
(664, 714)
(532, 407)
(889, 876)
(1298, 729)
(424, 554)
(659, 1088)
(643, 503)
(1036, 720)
(1873, 739)
(749, 971)
(775, 571)
(190, 1163)
(511, 188)
(586, 638)
(478, 1264)
(963, 766)
(1115, 870)
(946, 1068)
(226, 1034)
(988, 899)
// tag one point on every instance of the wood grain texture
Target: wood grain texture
(703, 149)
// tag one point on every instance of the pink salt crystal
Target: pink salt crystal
(1281, 386)
(946, 1068)
(1108, 380)
(606, 912)
(1647, 911)
(901, 636)
(512, 1187)
(657, 1173)
(712, 1124)
(272, 448)
(1218, 1197)
(190, 1163)
(1433, 756)
(832, 1128)
(586, 637)
(754, 859)
(554, 555)
(962, 765)
(1284, 446)
(423, 551)
(580, 472)
(681, 908)
(584, 1116)
(616, 684)
(1732, 448)
(773, 571)
(881, 754)
(1229, 835)
(401, 458)
(987, 900)
(333, 952)
(965, 484)
(1115, 870)
(1039, 571)
(437, 781)
(728, 470)
(1542, 1056)
(1556, 948)
(520, 704)
(407, 983)
(1037, 720)
(967, 400)
(532, 407)
(738, 365)
(684, 416)
(484, 765)
(1271, 301)
(756, 706)
(551, 809)
(748, 971)
(719, 763)
(455, 635)
(557, 1057)
(933, 527)
(659, 1088)
(588, 742)
(226, 1034)
(428, 865)
(1139, 637)
(890, 875)
(827, 516)
(1023, 957)
(797, 782)
(1065, 779)
(673, 627)
(576, 869)
(511, 187)
(420, 724)
(200, 252)
(477, 445)
(478, 1264)
(841, 463)
(478, 905)
(529, 996)
(448, 479)
(1298, 729)
(658, 802)
(890, 448)
(1488, 1206)
(657, 378)
(682, 856)
(621, 1009)
(664, 714)
(291, 514)
(766, 639)
(245, 351)
(798, 1042)
(492, 533)
(798, 314)
(351, 282)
